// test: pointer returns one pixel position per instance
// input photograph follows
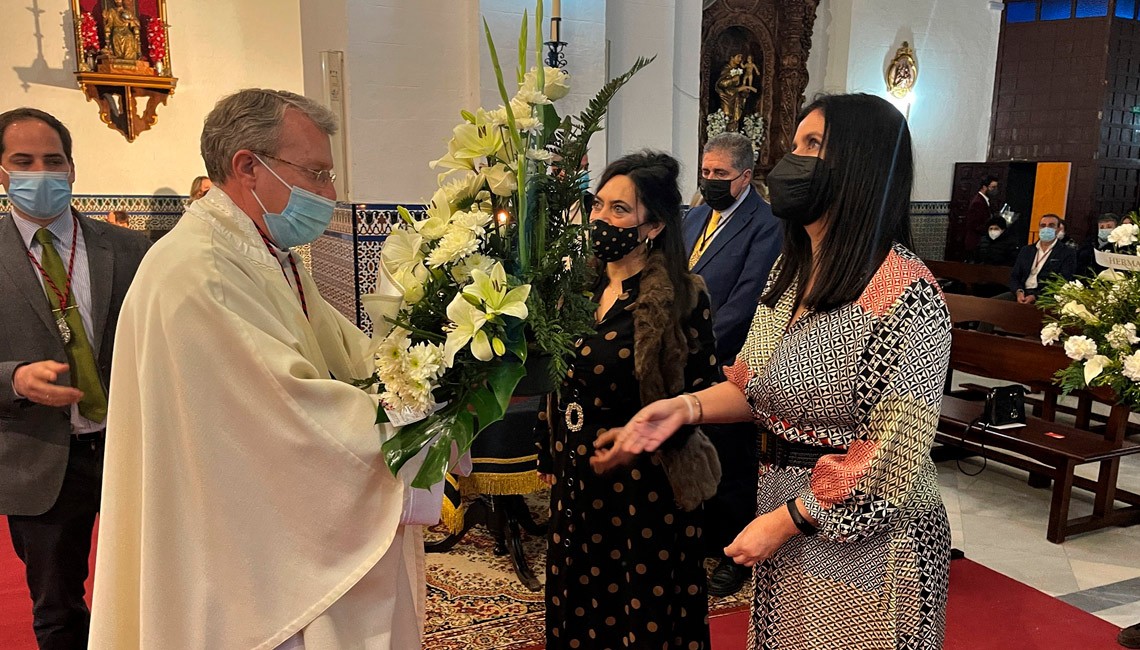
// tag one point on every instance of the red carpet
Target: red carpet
(987, 611)
(15, 603)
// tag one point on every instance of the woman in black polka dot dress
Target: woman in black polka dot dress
(625, 562)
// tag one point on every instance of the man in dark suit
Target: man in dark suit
(62, 280)
(980, 212)
(1038, 262)
(733, 241)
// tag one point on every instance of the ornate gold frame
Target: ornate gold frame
(902, 73)
(118, 88)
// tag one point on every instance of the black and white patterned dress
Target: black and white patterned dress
(625, 565)
(866, 378)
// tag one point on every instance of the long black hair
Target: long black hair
(654, 174)
(867, 147)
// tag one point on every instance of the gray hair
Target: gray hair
(251, 119)
(737, 146)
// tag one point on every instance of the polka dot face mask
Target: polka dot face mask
(612, 243)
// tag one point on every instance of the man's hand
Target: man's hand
(36, 382)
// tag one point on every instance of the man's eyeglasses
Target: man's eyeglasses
(321, 176)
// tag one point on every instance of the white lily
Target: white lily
(474, 142)
(402, 248)
(491, 291)
(1080, 311)
(466, 321)
(1095, 366)
(438, 217)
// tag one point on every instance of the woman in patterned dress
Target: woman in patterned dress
(842, 371)
(624, 561)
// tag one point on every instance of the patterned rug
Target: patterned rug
(475, 602)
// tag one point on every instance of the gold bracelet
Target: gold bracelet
(700, 409)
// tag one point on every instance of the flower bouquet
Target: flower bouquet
(1095, 319)
(494, 273)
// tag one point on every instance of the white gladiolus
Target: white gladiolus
(1122, 337)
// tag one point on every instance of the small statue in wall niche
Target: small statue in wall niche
(733, 91)
(122, 33)
(750, 70)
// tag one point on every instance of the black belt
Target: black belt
(777, 451)
(89, 437)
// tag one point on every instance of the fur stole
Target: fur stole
(662, 346)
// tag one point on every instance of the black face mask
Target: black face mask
(612, 243)
(800, 187)
(718, 192)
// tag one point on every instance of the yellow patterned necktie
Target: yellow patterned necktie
(84, 371)
(706, 238)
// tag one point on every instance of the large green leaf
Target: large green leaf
(409, 440)
(435, 464)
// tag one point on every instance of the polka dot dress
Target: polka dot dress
(625, 564)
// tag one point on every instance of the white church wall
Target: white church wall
(955, 43)
(217, 46)
(411, 66)
(584, 31)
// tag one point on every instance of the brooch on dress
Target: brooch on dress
(575, 417)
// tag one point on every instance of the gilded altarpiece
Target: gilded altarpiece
(123, 60)
(754, 71)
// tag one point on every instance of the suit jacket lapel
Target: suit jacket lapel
(692, 225)
(14, 260)
(736, 223)
(101, 261)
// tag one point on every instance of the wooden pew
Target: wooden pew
(970, 275)
(1026, 361)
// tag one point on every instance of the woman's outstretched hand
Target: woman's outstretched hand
(653, 425)
(607, 455)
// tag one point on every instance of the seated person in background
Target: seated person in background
(119, 218)
(1127, 219)
(1036, 263)
(199, 187)
(1097, 241)
(1063, 238)
(998, 248)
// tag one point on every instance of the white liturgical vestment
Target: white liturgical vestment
(245, 498)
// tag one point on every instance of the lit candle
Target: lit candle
(556, 12)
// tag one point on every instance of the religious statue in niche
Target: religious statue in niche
(737, 83)
(122, 58)
(902, 72)
(733, 90)
(122, 33)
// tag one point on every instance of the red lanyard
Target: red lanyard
(296, 274)
(63, 296)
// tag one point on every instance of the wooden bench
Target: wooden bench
(970, 275)
(1040, 452)
(1025, 361)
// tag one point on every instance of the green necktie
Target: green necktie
(84, 371)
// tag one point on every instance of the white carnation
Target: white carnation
(1124, 235)
(1050, 334)
(1080, 348)
(1131, 365)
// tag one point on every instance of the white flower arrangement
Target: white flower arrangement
(493, 269)
(752, 127)
(1095, 319)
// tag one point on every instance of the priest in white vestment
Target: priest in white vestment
(246, 503)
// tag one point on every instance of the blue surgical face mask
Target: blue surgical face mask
(1047, 234)
(40, 195)
(305, 217)
(1103, 233)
